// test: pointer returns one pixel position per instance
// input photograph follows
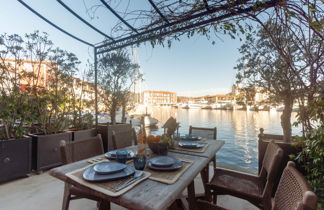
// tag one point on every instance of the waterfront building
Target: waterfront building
(210, 99)
(33, 73)
(151, 97)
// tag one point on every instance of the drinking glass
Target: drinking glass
(163, 149)
(140, 161)
(121, 156)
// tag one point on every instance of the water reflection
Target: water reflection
(239, 129)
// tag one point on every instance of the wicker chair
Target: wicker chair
(208, 133)
(75, 151)
(124, 138)
(205, 205)
(256, 189)
(293, 191)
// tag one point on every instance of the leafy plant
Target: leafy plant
(117, 73)
(36, 82)
(311, 159)
(16, 115)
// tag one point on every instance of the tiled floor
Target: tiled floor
(43, 192)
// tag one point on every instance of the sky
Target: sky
(191, 67)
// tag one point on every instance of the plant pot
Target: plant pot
(15, 158)
(84, 134)
(106, 133)
(159, 148)
(46, 150)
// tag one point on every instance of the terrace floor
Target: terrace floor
(39, 192)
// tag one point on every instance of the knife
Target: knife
(131, 181)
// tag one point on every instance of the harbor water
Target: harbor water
(239, 129)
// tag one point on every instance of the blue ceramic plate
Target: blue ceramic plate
(163, 161)
(191, 137)
(112, 155)
(188, 144)
(177, 165)
(108, 167)
(90, 175)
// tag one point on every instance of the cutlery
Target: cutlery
(137, 175)
(94, 160)
(124, 181)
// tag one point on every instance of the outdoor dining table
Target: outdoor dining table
(150, 194)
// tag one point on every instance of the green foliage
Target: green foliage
(311, 159)
(116, 73)
(36, 85)
(16, 115)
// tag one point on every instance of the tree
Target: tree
(261, 66)
(303, 24)
(116, 74)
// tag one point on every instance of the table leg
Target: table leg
(192, 196)
(104, 205)
(205, 179)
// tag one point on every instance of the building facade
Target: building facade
(158, 97)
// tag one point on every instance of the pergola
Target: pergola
(163, 18)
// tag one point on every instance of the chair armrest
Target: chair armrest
(237, 174)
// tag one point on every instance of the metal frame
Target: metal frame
(186, 23)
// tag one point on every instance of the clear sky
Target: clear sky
(190, 67)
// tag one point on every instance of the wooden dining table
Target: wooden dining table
(150, 194)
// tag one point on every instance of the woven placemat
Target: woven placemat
(168, 177)
(105, 187)
(199, 150)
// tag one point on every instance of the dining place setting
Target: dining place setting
(188, 142)
(120, 170)
(166, 166)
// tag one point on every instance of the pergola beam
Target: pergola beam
(165, 30)
(117, 15)
(158, 11)
(206, 5)
(52, 24)
(180, 21)
(83, 20)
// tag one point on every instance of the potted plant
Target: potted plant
(15, 113)
(49, 82)
(106, 133)
(81, 121)
(83, 127)
(159, 144)
(116, 75)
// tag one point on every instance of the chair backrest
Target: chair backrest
(270, 165)
(293, 191)
(208, 133)
(124, 138)
(79, 150)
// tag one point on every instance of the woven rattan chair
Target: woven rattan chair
(293, 192)
(75, 151)
(124, 139)
(256, 189)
